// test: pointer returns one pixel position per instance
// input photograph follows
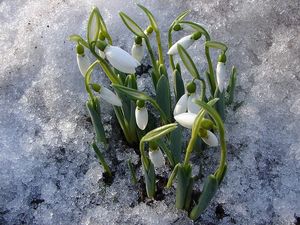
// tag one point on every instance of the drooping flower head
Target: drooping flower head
(83, 61)
(221, 72)
(141, 115)
(107, 95)
(155, 155)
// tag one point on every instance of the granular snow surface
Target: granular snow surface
(48, 171)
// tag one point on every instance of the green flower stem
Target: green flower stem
(172, 64)
(211, 76)
(87, 78)
(106, 68)
(173, 175)
(203, 89)
(159, 47)
(195, 130)
(213, 113)
(194, 136)
(154, 64)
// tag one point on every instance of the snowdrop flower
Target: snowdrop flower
(118, 58)
(186, 119)
(209, 137)
(141, 115)
(191, 105)
(156, 156)
(181, 105)
(186, 101)
(82, 60)
(107, 95)
(221, 72)
(138, 50)
(185, 42)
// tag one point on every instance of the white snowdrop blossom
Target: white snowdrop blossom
(181, 105)
(137, 51)
(211, 139)
(186, 119)
(186, 103)
(157, 158)
(120, 59)
(221, 76)
(141, 117)
(83, 63)
(109, 96)
(191, 105)
(185, 42)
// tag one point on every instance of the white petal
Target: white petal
(186, 119)
(137, 51)
(141, 117)
(221, 76)
(181, 105)
(121, 59)
(101, 54)
(192, 106)
(185, 42)
(157, 158)
(211, 139)
(110, 97)
(83, 63)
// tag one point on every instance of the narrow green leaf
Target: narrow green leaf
(209, 190)
(101, 159)
(93, 26)
(197, 27)
(132, 172)
(176, 144)
(95, 113)
(103, 27)
(184, 176)
(178, 85)
(132, 93)
(149, 177)
(223, 173)
(159, 132)
(150, 17)
(180, 17)
(231, 86)
(131, 25)
(163, 97)
(221, 104)
(79, 39)
(188, 62)
(216, 44)
(173, 175)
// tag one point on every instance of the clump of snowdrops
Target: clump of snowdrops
(197, 104)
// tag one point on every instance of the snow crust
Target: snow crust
(48, 172)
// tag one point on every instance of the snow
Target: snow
(49, 173)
